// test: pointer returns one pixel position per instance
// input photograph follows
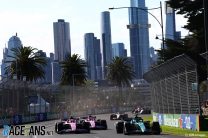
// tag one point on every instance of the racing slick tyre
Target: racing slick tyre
(104, 124)
(124, 116)
(126, 129)
(111, 117)
(119, 127)
(156, 128)
(86, 125)
(58, 127)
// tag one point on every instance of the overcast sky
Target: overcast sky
(33, 21)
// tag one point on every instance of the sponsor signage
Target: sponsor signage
(186, 121)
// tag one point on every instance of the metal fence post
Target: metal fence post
(179, 91)
(187, 90)
(173, 95)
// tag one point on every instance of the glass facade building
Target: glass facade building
(118, 50)
(14, 42)
(106, 45)
(62, 42)
(139, 37)
(92, 56)
(170, 29)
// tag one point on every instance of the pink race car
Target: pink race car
(72, 125)
(96, 123)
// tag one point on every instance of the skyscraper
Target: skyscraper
(139, 37)
(118, 50)
(47, 69)
(14, 42)
(170, 30)
(92, 56)
(62, 42)
(106, 46)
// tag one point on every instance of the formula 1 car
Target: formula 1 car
(141, 111)
(118, 116)
(137, 125)
(72, 125)
(97, 124)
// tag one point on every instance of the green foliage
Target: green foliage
(73, 70)
(192, 10)
(26, 62)
(120, 71)
(194, 43)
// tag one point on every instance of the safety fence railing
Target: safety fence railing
(174, 86)
(20, 101)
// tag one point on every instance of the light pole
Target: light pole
(147, 10)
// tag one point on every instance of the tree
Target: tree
(194, 12)
(194, 43)
(26, 61)
(73, 70)
(120, 71)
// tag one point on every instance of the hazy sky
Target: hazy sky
(33, 21)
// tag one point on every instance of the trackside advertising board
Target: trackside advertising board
(186, 121)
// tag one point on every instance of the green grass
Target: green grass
(147, 118)
(183, 132)
(179, 131)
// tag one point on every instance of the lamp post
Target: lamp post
(147, 10)
(205, 5)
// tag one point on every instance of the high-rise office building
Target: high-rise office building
(62, 42)
(170, 22)
(92, 56)
(170, 30)
(47, 69)
(106, 46)
(14, 42)
(153, 56)
(139, 37)
(56, 72)
(118, 50)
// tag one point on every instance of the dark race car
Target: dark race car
(137, 126)
(72, 125)
(118, 116)
(97, 124)
(139, 110)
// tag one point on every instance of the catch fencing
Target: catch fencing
(29, 99)
(174, 86)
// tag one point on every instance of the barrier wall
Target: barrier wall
(21, 119)
(185, 121)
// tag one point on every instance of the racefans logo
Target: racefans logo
(26, 130)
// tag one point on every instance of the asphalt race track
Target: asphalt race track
(110, 133)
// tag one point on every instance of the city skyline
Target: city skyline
(34, 22)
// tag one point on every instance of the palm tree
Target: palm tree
(26, 61)
(120, 71)
(73, 70)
